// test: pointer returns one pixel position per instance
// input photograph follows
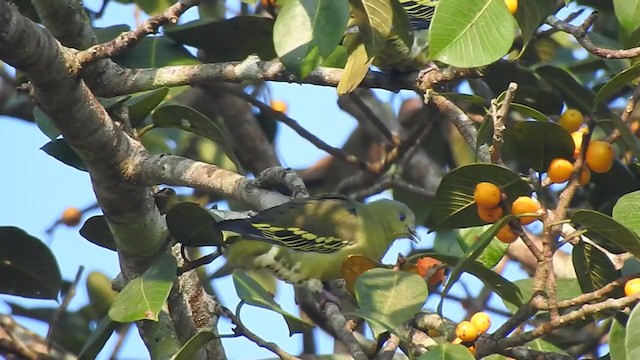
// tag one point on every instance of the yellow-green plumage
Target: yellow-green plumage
(396, 55)
(310, 238)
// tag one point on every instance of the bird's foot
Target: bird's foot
(327, 297)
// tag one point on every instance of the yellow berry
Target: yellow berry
(585, 176)
(482, 321)
(279, 105)
(71, 216)
(487, 195)
(632, 287)
(571, 120)
(524, 205)
(506, 235)
(466, 331)
(512, 5)
(559, 170)
(599, 156)
(490, 215)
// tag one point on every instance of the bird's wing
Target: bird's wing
(420, 12)
(322, 224)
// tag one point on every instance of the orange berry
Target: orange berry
(632, 287)
(268, 3)
(490, 215)
(426, 268)
(524, 205)
(577, 141)
(71, 216)
(571, 120)
(487, 195)
(559, 170)
(635, 126)
(512, 5)
(599, 156)
(482, 321)
(278, 105)
(506, 235)
(466, 331)
(585, 176)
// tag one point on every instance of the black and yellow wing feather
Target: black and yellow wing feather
(321, 224)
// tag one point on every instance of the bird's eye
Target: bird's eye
(402, 217)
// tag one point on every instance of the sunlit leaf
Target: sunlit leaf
(472, 34)
(252, 293)
(143, 297)
(390, 297)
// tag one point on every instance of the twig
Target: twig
(122, 335)
(499, 115)
(53, 226)
(631, 105)
(524, 353)
(585, 311)
(588, 297)
(343, 332)
(242, 330)
(580, 34)
(295, 126)
(462, 122)
(373, 118)
(129, 39)
(63, 307)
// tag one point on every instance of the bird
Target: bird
(307, 239)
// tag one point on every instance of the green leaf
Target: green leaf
(252, 293)
(60, 150)
(189, 119)
(593, 268)
(632, 339)
(97, 339)
(501, 286)
(528, 111)
(541, 100)
(113, 102)
(472, 254)
(616, 83)
(141, 105)
(454, 206)
(155, 51)
(308, 31)
(97, 231)
(545, 346)
(401, 23)
(27, 266)
(109, 33)
(45, 124)
(256, 34)
(628, 13)
(189, 350)
(608, 228)
(154, 7)
(492, 254)
(531, 14)
(447, 352)
(566, 289)
(534, 144)
(575, 94)
(191, 225)
(476, 34)
(374, 19)
(143, 297)
(390, 297)
(617, 338)
(626, 211)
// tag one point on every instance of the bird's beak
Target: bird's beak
(414, 235)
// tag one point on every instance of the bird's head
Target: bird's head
(400, 222)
